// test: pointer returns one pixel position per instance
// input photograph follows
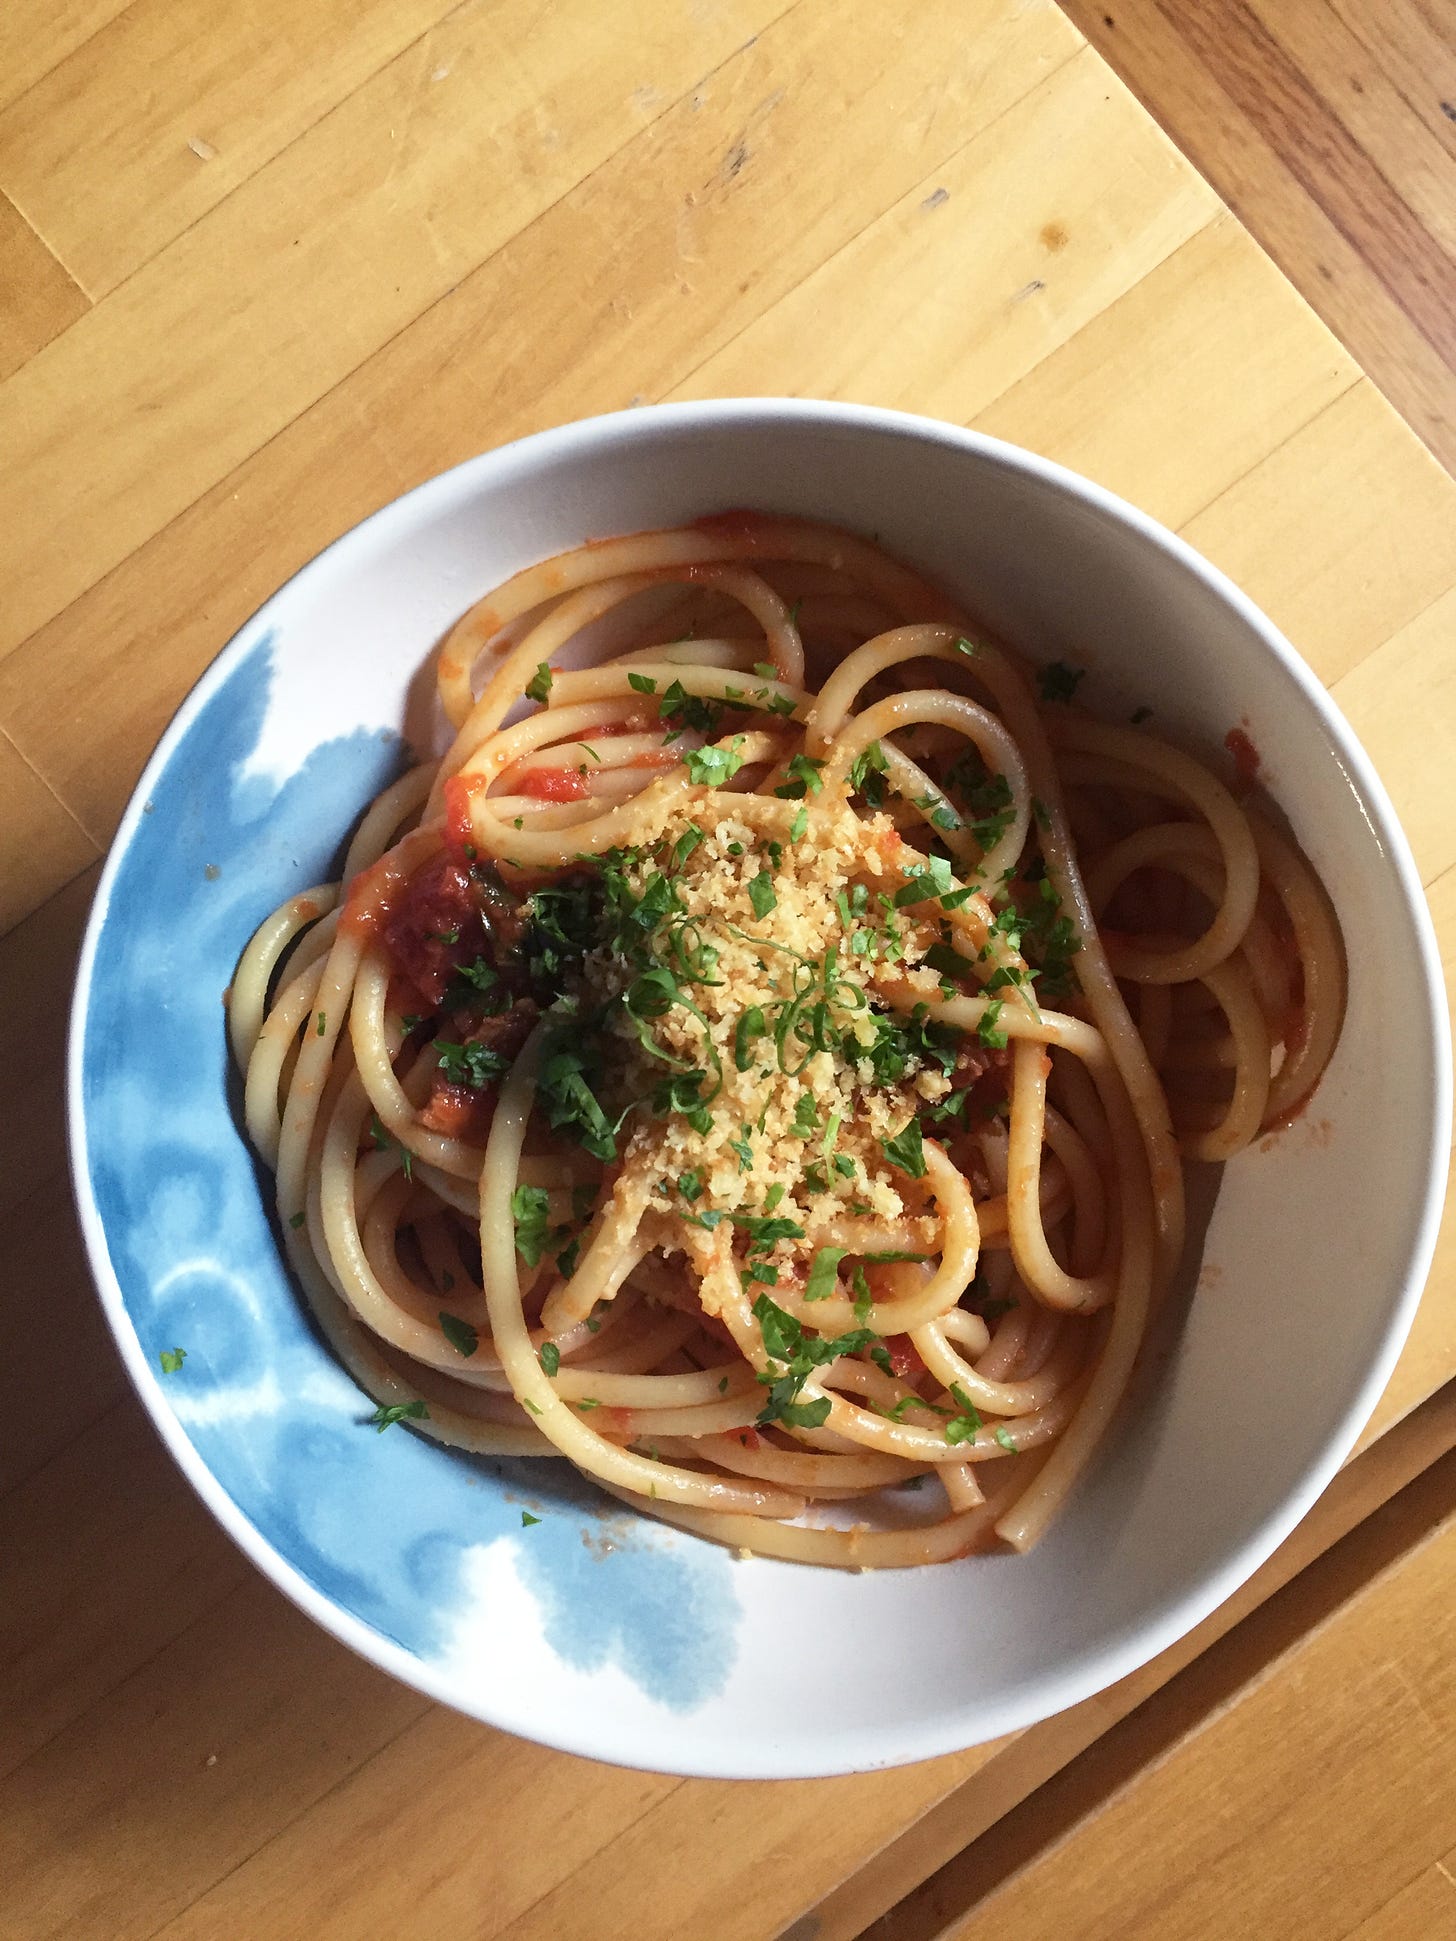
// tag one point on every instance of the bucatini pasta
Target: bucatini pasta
(761, 1070)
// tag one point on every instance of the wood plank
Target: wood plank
(162, 113)
(570, 1847)
(1341, 572)
(929, 302)
(1338, 70)
(37, 297)
(1407, 41)
(37, 964)
(463, 377)
(49, 1310)
(253, 313)
(106, 1557)
(1124, 401)
(1267, 145)
(422, 1784)
(1423, 1910)
(500, 1819)
(1283, 99)
(35, 35)
(47, 846)
(1441, 895)
(1354, 1725)
(1023, 1764)
(250, 1716)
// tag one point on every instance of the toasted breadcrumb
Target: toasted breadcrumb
(755, 1141)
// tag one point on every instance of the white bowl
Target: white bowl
(595, 1630)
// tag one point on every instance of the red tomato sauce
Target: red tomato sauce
(370, 898)
(984, 1071)
(554, 784)
(905, 1357)
(460, 791)
(740, 524)
(1245, 754)
(442, 918)
(457, 1111)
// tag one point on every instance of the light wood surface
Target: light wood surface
(1231, 1802)
(1329, 126)
(261, 269)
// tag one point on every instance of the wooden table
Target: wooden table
(262, 269)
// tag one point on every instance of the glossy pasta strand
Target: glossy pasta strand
(1041, 944)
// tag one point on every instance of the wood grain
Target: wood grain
(37, 298)
(926, 303)
(1355, 570)
(463, 376)
(253, 313)
(44, 838)
(1324, 125)
(1230, 1817)
(156, 118)
(1102, 403)
(941, 1843)
(1413, 674)
(36, 35)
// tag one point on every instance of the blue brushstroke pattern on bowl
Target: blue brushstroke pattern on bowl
(378, 1523)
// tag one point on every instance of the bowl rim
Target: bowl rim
(1119, 1653)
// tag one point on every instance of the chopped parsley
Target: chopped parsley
(172, 1360)
(824, 1274)
(797, 1355)
(529, 1208)
(387, 1414)
(383, 1141)
(539, 685)
(905, 1150)
(965, 1426)
(761, 894)
(460, 1335)
(549, 1357)
(686, 843)
(482, 975)
(864, 1300)
(867, 772)
(1058, 681)
(989, 806)
(571, 1104)
(805, 778)
(527, 1519)
(473, 1065)
(932, 878)
(683, 710)
(714, 766)
(566, 1261)
(751, 1025)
